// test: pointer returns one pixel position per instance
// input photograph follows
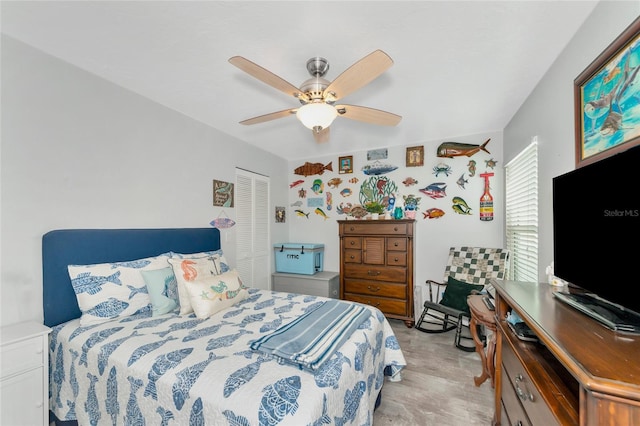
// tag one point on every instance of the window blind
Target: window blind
(521, 202)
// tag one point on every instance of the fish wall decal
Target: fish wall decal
(308, 169)
(458, 149)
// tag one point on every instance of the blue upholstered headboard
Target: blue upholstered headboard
(87, 246)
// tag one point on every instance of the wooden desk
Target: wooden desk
(480, 315)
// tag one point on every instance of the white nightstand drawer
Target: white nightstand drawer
(22, 356)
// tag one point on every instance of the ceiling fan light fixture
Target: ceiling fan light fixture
(316, 114)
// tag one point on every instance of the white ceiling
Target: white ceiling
(460, 68)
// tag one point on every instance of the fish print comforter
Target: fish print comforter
(180, 370)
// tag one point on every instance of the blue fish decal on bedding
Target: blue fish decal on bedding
(92, 284)
(330, 372)
(351, 403)
(162, 364)
(242, 376)
(145, 349)
(186, 378)
(152, 323)
(284, 309)
(180, 326)
(308, 299)
(81, 330)
(278, 400)
(107, 350)
(391, 342)
(225, 341)
(137, 290)
(196, 418)
(136, 264)
(250, 299)
(366, 324)
(110, 308)
(272, 325)
(234, 313)
(73, 379)
(94, 339)
(91, 405)
(58, 374)
(203, 332)
(235, 420)
(312, 307)
(111, 402)
(71, 412)
(165, 416)
(133, 414)
(361, 351)
(378, 346)
(264, 304)
(251, 318)
(324, 418)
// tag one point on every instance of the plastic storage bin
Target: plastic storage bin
(299, 258)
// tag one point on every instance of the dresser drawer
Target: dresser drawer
(534, 406)
(397, 244)
(22, 355)
(352, 243)
(396, 258)
(377, 273)
(379, 229)
(353, 256)
(512, 407)
(387, 306)
(373, 288)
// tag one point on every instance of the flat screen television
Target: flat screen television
(596, 218)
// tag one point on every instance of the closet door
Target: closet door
(252, 229)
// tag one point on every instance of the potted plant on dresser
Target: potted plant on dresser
(375, 209)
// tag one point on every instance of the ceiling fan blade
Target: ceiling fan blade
(358, 75)
(321, 136)
(266, 76)
(368, 115)
(269, 117)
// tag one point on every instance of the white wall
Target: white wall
(433, 236)
(549, 112)
(80, 152)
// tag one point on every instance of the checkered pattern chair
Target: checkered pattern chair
(471, 265)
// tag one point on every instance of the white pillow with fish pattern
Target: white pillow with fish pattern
(107, 291)
(213, 293)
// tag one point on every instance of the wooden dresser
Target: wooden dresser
(578, 373)
(376, 265)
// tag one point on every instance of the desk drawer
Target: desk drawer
(352, 242)
(524, 390)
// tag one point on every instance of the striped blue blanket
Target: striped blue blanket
(312, 338)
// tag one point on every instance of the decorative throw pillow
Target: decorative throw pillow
(163, 290)
(189, 269)
(107, 291)
(220, 262)
(211, 294)
(456, 293)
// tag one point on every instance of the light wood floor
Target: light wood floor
(437, 385)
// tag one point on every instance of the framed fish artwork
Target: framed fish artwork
(346, 164)
(222, 193)
(415, 156)
(607, 100)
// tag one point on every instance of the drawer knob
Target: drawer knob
(353, 242)
(373, 273)
(395, 244)
(352, 257)
(352, 229)
(395, 259)
(370, 288)
(395, 228)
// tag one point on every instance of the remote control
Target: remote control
(488, 303)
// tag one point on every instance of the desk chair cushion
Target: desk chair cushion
(456, 293)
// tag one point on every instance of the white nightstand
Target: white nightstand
(24, 374)
(325, 283)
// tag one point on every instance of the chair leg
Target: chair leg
(459, 336)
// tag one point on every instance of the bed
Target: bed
(167, 368)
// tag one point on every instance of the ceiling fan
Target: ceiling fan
(318, 96)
